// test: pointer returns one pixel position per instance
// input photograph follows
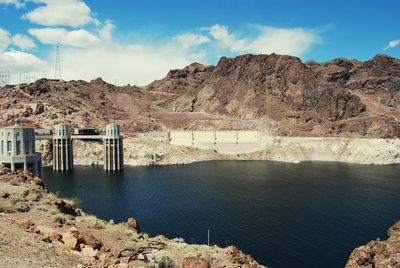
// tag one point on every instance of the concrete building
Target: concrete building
(62, 148)
(17, 149)
(113, 148)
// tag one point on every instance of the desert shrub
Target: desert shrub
(42, 207)
(16, 197)
(93, 222)
(75, 201)
(132, 245)
(161, 259)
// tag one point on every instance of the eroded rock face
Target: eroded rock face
(340, 97)
(378, 253)
(284, 89)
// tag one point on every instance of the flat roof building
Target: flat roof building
(17, 149)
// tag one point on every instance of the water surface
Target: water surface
(285, 215)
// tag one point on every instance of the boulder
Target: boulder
(70, 241)
(132, 223)
(4, 194)
(39, 109)
(193, 262)
(89, 252)
(141, 257)
(86, 239)
(66, 208)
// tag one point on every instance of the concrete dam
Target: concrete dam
(227, 142)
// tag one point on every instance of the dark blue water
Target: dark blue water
(285, 215)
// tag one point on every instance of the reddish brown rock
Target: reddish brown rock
(239, 257)
(66, 207)
(86, 239)
(378, 253)
(133, 224)
(192, 262)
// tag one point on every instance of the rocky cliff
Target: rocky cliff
(378, 253)
(264, 92)
(344, 97)
(39, 229)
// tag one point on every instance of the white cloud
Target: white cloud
(106, 31)
(76, 38)
(227, 40)
(16, 3)
(74, 13)
(392, 44)
(291, 41)
(190, 40)
(122, 64)
(4, 39)
(18, 61)
(23, 42)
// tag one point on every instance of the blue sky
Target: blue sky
(139, 41)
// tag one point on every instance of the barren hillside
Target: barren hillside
(268, 92)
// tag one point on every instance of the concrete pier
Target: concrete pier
(113, 148)
(17, 149)
(62, 148)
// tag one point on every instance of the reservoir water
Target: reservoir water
(311, 214)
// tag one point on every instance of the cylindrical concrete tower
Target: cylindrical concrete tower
(113, 148)
(62, 148)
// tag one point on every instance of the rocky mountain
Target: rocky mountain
(345, 97)
(276, 93)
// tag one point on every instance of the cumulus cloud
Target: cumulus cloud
(18, 61)
(227, 40)
(4, 39)
(392, 44)
(76, 38)
(191, 39)
(106, 31)
(16, 3)
(121, 64)
(23, 42)
(73, 13)
(291, 41)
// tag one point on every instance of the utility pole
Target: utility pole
(208, 237)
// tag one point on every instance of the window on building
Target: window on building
(18, 147)
(26, 147)
(9, 147)
(2, 147)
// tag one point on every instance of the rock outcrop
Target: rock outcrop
(378, 253)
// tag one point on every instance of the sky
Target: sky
(136, 42)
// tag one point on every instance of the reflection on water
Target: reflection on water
(285, 215)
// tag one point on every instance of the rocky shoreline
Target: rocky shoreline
(378, 253)
(39, 229)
